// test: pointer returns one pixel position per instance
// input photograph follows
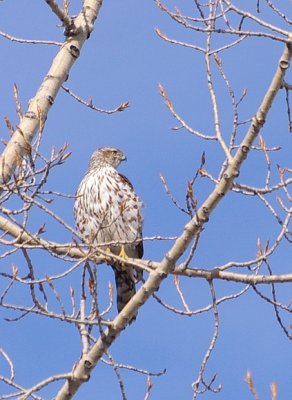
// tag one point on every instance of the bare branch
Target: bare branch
(279, 12)
(62, 15)
(149, 387)
(200, 380)
(42, 384)
(90, 104)
(40, 105)
(179, 119)
(29, 41)
(274, 390)
(10, 363)
(118, 375)
(75, 251)
(251, 386)
(252, 17)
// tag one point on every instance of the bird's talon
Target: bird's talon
(123, 255)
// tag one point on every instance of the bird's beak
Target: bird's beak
(124, 158)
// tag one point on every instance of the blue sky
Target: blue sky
(124, 60)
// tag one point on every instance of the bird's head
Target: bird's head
(106, 156)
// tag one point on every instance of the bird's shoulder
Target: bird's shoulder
(125, 180)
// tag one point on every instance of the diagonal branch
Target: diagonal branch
(81, 371)
(39, 106)
(65, 19)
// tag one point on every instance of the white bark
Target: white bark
(39, 106)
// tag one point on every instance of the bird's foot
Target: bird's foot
(123, 255)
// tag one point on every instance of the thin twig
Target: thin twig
(90, 104)
(200, 380)
(29, 41)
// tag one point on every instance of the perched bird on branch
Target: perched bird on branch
(108, 215)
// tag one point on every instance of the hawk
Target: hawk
(108, 215)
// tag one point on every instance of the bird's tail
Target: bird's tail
(125, 284)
